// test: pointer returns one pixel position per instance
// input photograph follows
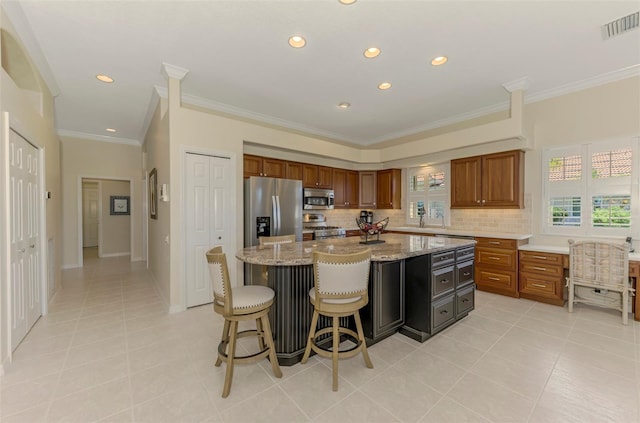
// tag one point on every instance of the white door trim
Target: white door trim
(183, 224)
(79, 211)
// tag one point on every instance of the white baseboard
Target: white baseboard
(176, 309)
(114, 255)
(70, 266)
(137, 259)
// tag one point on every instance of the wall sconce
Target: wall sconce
(164, 193)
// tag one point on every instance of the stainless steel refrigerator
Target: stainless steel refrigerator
(272, 206)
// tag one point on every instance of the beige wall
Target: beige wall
(97, 160)
(115, 230)
(156, 148)
(31, 113)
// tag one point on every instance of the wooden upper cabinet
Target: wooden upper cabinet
(493, 180)
(367, 189)
(389, 189)
(314, 176)
(263, 166)
(294, 170)
(345, 187)
(466, 182)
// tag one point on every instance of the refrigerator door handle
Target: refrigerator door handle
(274, 214)
(278, 215)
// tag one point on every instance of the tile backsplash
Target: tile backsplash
(477, 220)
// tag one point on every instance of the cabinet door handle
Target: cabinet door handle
(494, 258)
(493, 278)
(445, 281)
(465, 300)
(466, 273)
(539, 285)
(539, 268)
(21, 250)
(444, 312)
(541, 257)
(495, 242)
(32, 246)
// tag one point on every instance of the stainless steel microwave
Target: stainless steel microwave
(317, 199)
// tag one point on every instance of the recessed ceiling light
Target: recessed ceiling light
(110, 130)
(440, 60)
(296, 41)
(371, 52)
(347, 1)
(384, 85)
(344, 105)
(104, 78)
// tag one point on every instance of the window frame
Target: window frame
(588, 187)
(444, 195)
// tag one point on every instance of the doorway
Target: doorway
(101, 226)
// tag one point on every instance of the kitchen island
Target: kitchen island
(418, 285)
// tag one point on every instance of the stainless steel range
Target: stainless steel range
(318, 223)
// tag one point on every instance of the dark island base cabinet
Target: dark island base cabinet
(439, 291)
(385, 312)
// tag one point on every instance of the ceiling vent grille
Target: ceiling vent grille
(620, 26)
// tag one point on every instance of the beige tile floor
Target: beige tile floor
(108, 351)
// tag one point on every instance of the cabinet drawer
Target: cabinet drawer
(465, 300)
(442, 280)
(465, 272)
(535, 284)
(442, 313)
(541, 258)
(464, 254)
(443, 259)
(547, 269)
(501, 280)
(496, 257)
(510, 244)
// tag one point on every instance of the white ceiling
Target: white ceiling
(239, 61)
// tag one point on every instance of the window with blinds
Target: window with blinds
(428, 194)
(592, 189)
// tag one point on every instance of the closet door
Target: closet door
(26, 303)
(207, 211)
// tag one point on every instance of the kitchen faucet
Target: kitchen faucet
(442, 216)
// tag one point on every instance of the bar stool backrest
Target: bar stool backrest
(222, 296)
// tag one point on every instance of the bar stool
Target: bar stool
(340, 289)
(236, 305)
(280, 239)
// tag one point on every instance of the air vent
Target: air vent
(620, 26)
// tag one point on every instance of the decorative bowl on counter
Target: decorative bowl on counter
(372, 229)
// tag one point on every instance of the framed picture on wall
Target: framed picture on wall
(153, 194)
(119, 205)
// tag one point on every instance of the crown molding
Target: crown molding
(25, 34)
(94, 137)
(151, 109)
(572, 87)
(520, 84)
(174, 72)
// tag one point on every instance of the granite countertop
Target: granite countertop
(395, 247)
(456, 232)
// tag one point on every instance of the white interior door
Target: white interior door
(26, 298)
(90, 217)
(208, 208)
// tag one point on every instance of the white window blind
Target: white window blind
(428, 193)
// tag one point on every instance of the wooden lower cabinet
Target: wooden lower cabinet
(307, 236)
(542, 277)
(496, 265)
(354, 232)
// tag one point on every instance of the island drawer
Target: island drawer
(465, 272)
(464, 254)
(443, 259)
(443, 313)
(464, 301)
(442, 281)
